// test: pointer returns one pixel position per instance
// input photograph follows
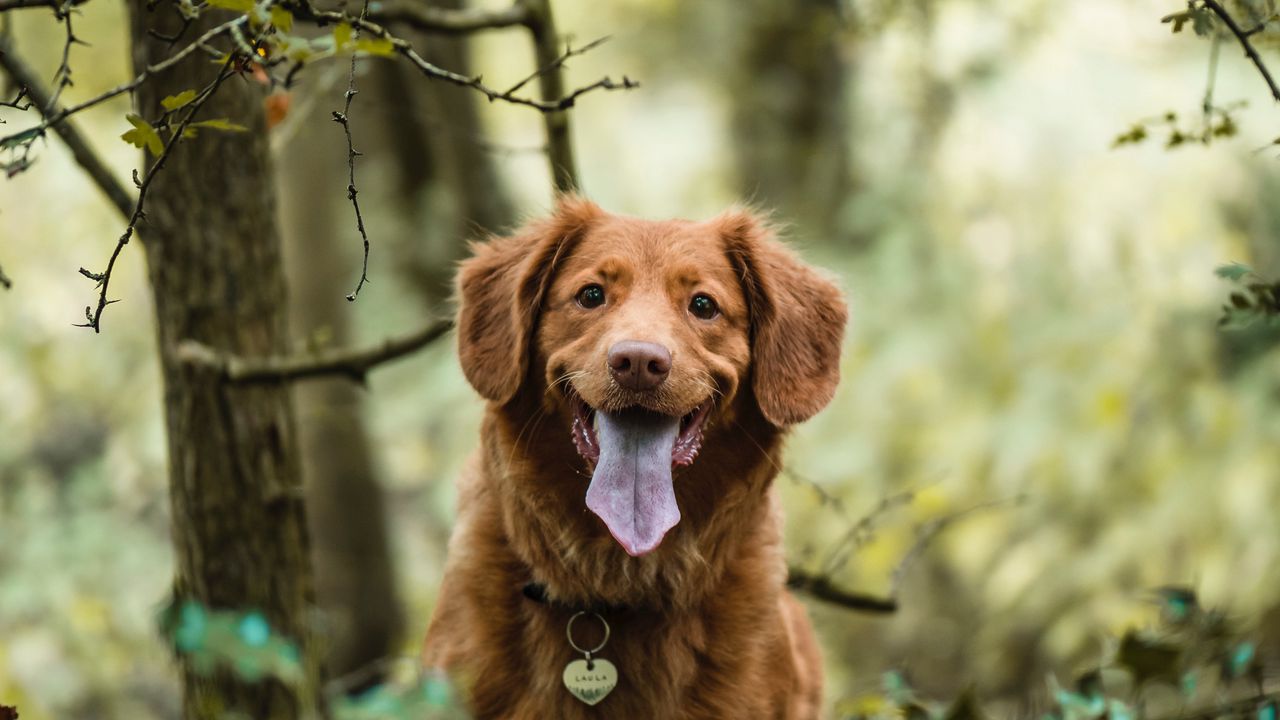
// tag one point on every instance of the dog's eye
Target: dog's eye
(703, 306)
(591, 296)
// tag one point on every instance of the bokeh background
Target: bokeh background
(1033, 323)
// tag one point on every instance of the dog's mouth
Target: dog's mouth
(688, 442)
(632, 452)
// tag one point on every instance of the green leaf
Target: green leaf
(254, 630)
(173, 102)
(375, 46)
(220, 124)
(1232, 272)
(189, 636)
(240, 6)
(1177, 604)
(143, 135)
(1241, 660)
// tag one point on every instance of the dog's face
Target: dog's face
(645, 316)
(643, 338)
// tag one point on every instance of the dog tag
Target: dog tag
(590, 680)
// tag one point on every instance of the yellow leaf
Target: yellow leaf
(341, 36)
(143, 135)
(173, 102)
(282, 19)
(381, 47)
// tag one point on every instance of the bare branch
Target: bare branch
(344, 119)
(1242, 37)
(93, 316)
(62, 76)
(354, 364)
(25, 78)
(448, 21)
(16, 103)
(556, 104)
(53, 119)
(821, 588)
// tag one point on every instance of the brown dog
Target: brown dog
(641, 376)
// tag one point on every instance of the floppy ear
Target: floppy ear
(797, 322)
(500, 291)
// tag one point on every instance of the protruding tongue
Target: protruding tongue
(631, 489)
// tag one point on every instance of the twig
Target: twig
(930, 530)
(402, 47)
(62, 76)
(344, 119)
(1242, 37)
(557, 63)
(448, 21)
(16, 103)
(30, 134)
(93, 316)
(354, 364)
(4, 280)
(859, 532)
(84, 155)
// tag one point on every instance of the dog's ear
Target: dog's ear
(797, 321)
(500, 291)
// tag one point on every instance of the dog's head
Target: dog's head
(646, 338)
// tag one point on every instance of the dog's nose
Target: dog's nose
(639, 365)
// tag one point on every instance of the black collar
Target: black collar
(537, 592)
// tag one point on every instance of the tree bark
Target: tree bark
(214, 258)
(355, 578)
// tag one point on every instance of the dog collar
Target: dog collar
(537, 592)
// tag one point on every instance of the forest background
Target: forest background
(1041, 411)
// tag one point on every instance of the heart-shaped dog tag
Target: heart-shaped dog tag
(590, 680)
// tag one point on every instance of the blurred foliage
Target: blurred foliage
(1193, 664)
(244, 643)
(1257, 301)
(1036, 319)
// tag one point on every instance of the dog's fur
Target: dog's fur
(702, 626)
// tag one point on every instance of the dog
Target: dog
(618, 547)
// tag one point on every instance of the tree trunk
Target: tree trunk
(214, 258)
(446, 178)
(355, 578)
(790, 116)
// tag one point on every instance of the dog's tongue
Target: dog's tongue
(631, 487)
